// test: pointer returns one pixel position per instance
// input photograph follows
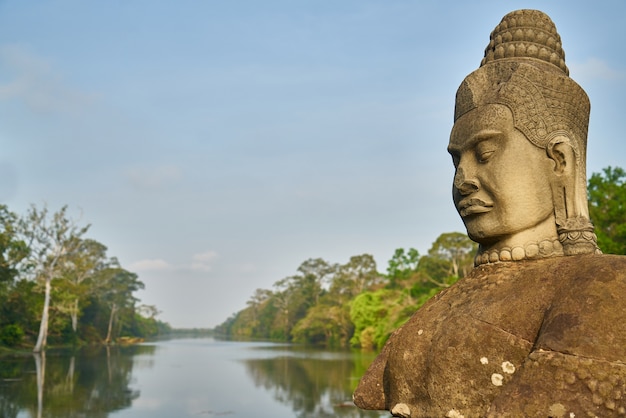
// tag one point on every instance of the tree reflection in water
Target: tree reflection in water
(92, 382)
(315, 384)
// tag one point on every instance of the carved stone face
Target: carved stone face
(502, 183)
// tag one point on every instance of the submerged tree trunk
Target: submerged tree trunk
(43, 326)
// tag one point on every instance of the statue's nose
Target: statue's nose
(464, 184)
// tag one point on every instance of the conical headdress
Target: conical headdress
(524, 69)
(526, 34)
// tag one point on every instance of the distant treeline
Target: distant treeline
(190, 332)
(59, 287)
(351, 304)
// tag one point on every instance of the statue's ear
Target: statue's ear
(565, 189)
(560, 150)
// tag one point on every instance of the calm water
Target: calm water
(183, 378)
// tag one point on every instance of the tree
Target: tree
(80, 266)
(51, 240)
(117, 286)
(457, 249)
(324, 324)
(145, 323)
(369, 313)
(255, 304)
(316, 272)
(356, 276)
(402, 266)
(607, 209)
(12, 249)
(450, 257)
(290, 298)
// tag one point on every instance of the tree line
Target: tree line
(58, 286)
(353, 304)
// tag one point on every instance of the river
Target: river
(196, 377)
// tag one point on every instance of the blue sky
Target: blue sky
(214, 146)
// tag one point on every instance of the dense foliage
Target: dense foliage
(58, 286)
(607, 209)
(352, 303)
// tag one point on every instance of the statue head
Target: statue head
(519, 147)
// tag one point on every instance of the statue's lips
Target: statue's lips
(472, 206)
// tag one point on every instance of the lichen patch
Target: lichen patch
(484, 360)
(496, 379)
(557, 410)
(453, 413)
(508, 367)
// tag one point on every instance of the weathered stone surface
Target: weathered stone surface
(538, 328)
(533, 338)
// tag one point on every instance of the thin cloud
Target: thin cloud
(34, 82)
(595, 68)
(154, 178)
(200, 262)
(203, 261)
(155, 264)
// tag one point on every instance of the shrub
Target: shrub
(11, 335)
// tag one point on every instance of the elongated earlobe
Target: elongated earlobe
(563, 181)
(569, 194)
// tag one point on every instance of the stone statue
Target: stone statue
(538, 328)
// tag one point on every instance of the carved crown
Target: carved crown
(526, 34)
(524, 69)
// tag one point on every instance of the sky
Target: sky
(214, 146)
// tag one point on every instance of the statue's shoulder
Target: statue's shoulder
(587, 317)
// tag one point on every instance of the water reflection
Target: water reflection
(183, 378)
(88, 383)
(314, 383)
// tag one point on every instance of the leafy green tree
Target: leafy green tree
(117, 287)
(12, 249)
(295, 295)
(316, 272)
(457, 249)
(51, 238)
(450, 257)
(256, 304)
(79, 269)
(11, 335)
(404, 275)
(358, 275)
(368, 313)
(291, 303)
(145, 323)
(22, 306)
(607, 209)
(324, 324)
(402, 267)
